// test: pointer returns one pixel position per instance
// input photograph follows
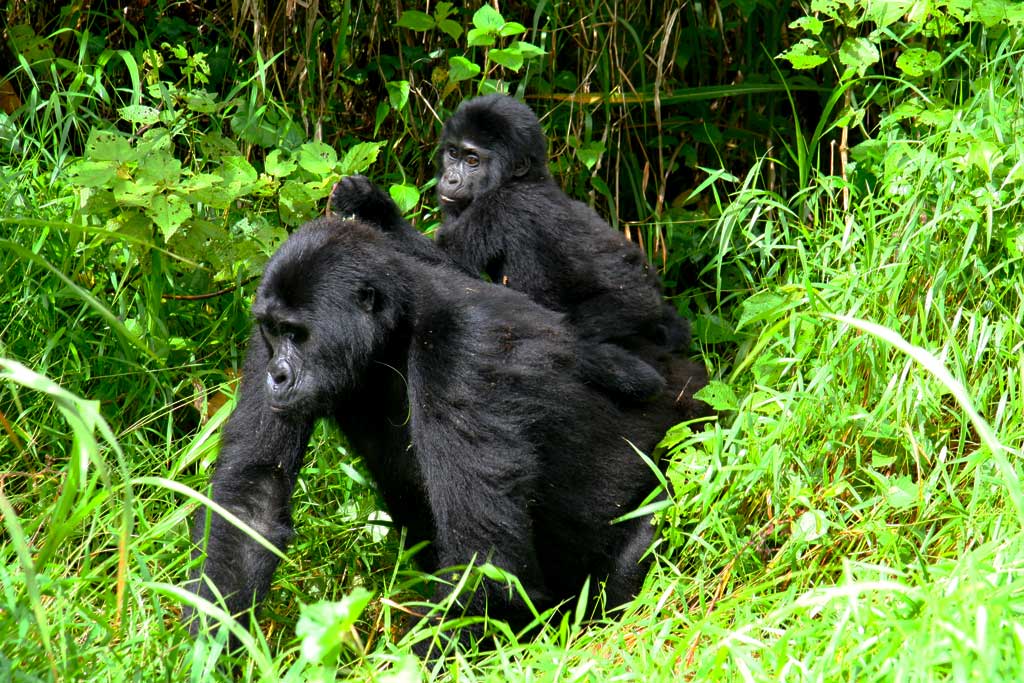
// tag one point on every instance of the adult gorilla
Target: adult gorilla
(470, 406)
(507, 219)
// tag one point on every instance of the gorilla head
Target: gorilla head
(298, 311)
(488, 142)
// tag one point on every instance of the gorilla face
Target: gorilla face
(329, 316)
(285, 381)
(487, 142)
(467, 170)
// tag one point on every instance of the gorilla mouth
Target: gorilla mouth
(445, 199)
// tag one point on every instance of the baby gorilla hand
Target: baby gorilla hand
(356, 196)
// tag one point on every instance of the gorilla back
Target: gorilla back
(467, 402)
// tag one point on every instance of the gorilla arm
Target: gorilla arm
(357, 196)
(259, 461)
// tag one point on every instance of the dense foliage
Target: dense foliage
(832, 189)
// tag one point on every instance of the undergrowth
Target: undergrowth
(854, 513)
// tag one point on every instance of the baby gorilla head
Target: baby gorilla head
(486, 143)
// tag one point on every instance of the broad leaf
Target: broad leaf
(168, 212)
(359, 157)
(461, 69)
(416, 20)
(405, 196)
(510, 59)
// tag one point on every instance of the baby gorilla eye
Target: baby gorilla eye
(472, 160)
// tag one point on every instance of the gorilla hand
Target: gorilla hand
(356, 196)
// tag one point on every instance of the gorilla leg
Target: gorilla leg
(619, 372)
(630, 566)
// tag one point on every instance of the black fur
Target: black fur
(470, 406)
(507, 219)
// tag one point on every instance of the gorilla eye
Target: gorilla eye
(453, 152)
(293, 333)
(472, 160)
(283, 330)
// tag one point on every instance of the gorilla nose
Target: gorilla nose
(279, 377)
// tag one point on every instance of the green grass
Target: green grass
(854, 515)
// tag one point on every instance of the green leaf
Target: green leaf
(127, 192)
(810, 526)
(238, 174)
(512, 28)
(168, 212)
(92, 173)
(416, 20)
(901, 493)
(203, 102)
(488, 18)
(442, 11)
(918, 61)
(359, 157)
(761, 307)
(405, 670)
(325, 626)
(405, 196)
(398, 94)
(160, 168)
(296, 202)
(528, 50)
(108, 146)
(277, 166)
(318, 158)
(25, 42)
(858, 54)
(139, 114)
(461, 69)
(380, 114)
(450, 27)
(590, 153)
(811, 25)
(496, 573)
(601, 186)
(215, 146)
(199, 182)
(807, 54)
(478, 37)
(887, 12)
(509, 58)
(718, 395)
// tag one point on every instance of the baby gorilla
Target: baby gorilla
(507, 219)
(470, 407)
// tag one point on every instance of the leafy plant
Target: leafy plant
(489, 27)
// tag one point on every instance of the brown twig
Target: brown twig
(10, 431)
(208, 295)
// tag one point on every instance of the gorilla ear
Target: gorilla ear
(366, 297)
(520, 167)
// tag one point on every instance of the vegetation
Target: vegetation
(833, 191)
